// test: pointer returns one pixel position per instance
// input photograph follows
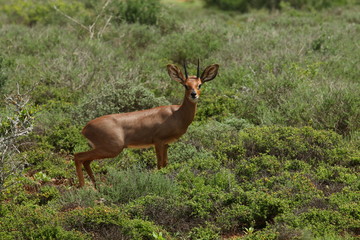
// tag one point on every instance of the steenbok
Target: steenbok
(110, 134)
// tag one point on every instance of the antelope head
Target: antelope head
(193, 84)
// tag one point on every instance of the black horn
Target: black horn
(198, 69)
(186, 74)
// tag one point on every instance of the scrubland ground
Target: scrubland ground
(272, 154)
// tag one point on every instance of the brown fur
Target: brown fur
(110, 134)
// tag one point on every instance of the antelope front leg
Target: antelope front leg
(161, 154)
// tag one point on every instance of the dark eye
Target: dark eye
(199, 86)
(186, 87)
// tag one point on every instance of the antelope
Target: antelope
(110, 134)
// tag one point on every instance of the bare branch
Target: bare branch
(12, 129)
(70, 18)
(90, 28)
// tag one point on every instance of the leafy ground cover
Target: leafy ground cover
(272, 154)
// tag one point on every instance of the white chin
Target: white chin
(194, 100)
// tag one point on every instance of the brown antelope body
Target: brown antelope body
(110, 134)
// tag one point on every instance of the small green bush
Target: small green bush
(5, 64)
(110, 223)
(323, 222)
(207, 232)
(189, 46)
(79, 198)
(48, 193)
(170, 212)
(50, 165)
(137, 11)
(65, 137)
(33, 11)
(259, 166)
(124, 186)
(235, 218)
(347, 202)
(246, 5)
(305, 143)
(123, 97)
(264, 207)
(32, 222)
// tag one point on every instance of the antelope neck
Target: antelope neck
(187, 110)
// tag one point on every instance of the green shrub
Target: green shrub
(124, 186)
(65, 137)
(189, 46)
(246, 5)
(137, 11)
(5, 64)
(297, 189)
(323, 222)
(236, 5)
(180, 152)
(32, 12)
(172, 213)
(264, 207)
(305, 143)
(347, 202)
(48, 193)
(110, 223)
(32, 222)
(338, 112)
(216, 106)
(258, 167)
(208, 232)
(265, 234)
(235, 218)
(49, 164)
(211, 136)
(202, 198)
(85, 197)
(123, 97)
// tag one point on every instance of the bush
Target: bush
(34, 11)
(110, 223)
(235, 218)
(246, 5)
(123, 97)
(5, 64)
(305, 143)
(188, 46)
(65, 137)
(208, 232)
(323, 222)
(137, 11)
(170, 212)
(79, 198)
(49, 164)
(124, 186)
(259, 167)
(32, 222)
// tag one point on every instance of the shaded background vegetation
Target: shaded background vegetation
(272, 154)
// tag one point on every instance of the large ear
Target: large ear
(209, 73)
(175, 73)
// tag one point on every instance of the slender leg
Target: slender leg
(85, 158)
(79, 172)
(89, 172)
(165, 157)
(161, 154)
(158, 150)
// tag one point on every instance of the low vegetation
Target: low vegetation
(272, 154)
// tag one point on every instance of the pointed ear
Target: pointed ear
(175, 73)
(209, 73)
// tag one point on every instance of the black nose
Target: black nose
(193, 94)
